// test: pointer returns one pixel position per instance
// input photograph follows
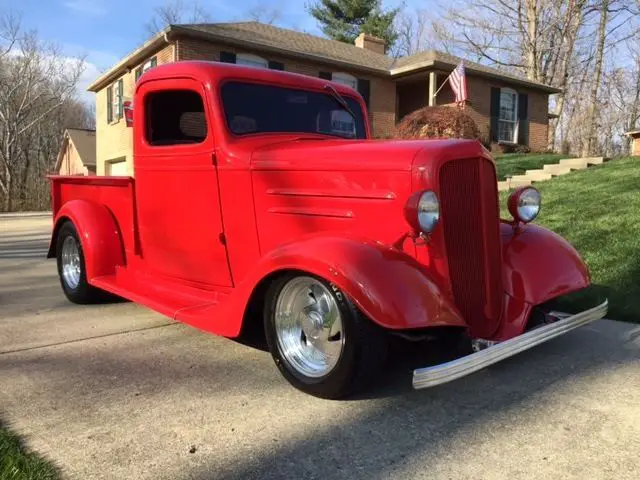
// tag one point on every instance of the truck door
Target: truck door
(181, 231)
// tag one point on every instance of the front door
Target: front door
(176, 181)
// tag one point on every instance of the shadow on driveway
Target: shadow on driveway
(407, 427)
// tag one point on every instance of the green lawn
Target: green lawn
(598, 211)
(18, 463)
(518, 163)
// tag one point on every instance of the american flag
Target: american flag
(458, 82)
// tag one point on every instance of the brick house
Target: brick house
(508, 109)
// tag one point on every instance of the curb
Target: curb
(24, 214)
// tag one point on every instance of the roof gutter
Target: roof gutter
(255, 46)
(125, 65)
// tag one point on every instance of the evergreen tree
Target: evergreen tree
(344, 20)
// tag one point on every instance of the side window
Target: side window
(175, 117)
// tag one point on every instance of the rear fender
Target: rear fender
(387, 285)
(99, 235)
(540, 265)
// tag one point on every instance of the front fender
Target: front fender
(540, 265)
(387, 285)
(99, 235)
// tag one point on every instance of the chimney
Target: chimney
(369, 42)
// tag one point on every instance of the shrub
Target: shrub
(513, 148)
(438, 122)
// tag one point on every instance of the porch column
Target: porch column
(433, 85)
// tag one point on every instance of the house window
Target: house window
(117, 98)
(251, 60)
(175, 117)
(110, 104)
(345, 79)
(152, 62)
(508, 116)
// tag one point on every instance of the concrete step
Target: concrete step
(519, 181)
(557, 169)
(502, 186)
(596, 160)
(537, 175)
(575, 163)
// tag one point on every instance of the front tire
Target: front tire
(71, 268)
(318, 339)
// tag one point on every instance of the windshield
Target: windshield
(254, 108)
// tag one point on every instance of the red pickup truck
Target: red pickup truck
(260, 203)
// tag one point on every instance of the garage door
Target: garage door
(117, 169)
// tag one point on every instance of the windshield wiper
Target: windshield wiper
(340, 99)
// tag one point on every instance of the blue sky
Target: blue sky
(106, 30)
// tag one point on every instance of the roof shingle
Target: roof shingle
(85, 143)
(269, 36)
(291, 40)
(260, 36)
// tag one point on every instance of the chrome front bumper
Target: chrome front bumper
(446, 372)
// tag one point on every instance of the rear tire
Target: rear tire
(319, 340)
(71, 268)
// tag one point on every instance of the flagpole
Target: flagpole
(445, 82)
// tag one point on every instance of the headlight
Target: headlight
(422, 211)
(524, 204)
(428, 211)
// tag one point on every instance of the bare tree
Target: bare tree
(9, 30)
(589, 141)
(36, 80)
(174, 12)
(564, 61)
(415, 32)
(265, 13)
(557, 42)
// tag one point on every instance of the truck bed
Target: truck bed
(171, 297)
(115, 193)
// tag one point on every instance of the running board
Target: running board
(446, 372)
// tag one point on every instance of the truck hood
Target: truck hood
(343, 155)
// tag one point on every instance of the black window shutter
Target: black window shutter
(138, 73)
(109, 104)
(325, 75)
(154, 62)
(494, 113)
(227, 57)
(364, 87)
(276, 65)
(523, 119)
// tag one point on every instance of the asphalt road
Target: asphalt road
(118, 392)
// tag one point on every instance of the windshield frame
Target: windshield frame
(353, 96)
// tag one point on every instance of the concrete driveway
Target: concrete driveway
(118, 392)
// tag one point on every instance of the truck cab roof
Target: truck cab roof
(210, 73)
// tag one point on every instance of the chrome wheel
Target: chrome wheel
(308, 327)
(71, 262)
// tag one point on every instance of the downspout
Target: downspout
(165, 36)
